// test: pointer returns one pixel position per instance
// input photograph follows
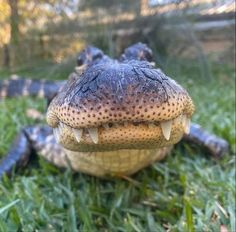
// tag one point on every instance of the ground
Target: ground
(188, 191)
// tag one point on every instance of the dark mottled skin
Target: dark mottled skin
(137, 51)
(19, 153)
(101, 77)
(91, 55)
(212, 143)
(40, 139)
(35, 139)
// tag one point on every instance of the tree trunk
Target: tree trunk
(15, 33)
(6, 56)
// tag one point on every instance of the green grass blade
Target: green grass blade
(3, 209)
(189, 215)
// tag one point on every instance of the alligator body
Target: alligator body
(112, 117)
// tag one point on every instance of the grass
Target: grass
(188, 191)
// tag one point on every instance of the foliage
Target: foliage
(186, 192)
(107, 5)
(53, 30)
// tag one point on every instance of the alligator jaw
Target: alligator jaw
(123, 135)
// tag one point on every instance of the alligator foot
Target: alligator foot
(18, 155)
(30, 140)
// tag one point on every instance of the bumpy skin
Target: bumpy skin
(121, 104)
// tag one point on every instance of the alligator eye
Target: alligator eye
(79, 61)
(97, 56)
(148, 56)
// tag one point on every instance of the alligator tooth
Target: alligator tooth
(93, 132)
(63, 127)
(151, 125)
(153, 64)
(126, 124)
(78, 134)
(106, 126)
(80, 69)
(66, 127)
(179, 119)
(187, 128)
(186, 124)
(60, 127)
(116, 124)
(166, 129)
(56, 133)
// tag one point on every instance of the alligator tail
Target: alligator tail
(15, 87)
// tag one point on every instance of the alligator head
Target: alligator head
(113, 105)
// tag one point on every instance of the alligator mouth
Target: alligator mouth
(124, 135)
(113, 106)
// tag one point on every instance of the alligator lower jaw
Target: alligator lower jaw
(125, 135)
(114, 163)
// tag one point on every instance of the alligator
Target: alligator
(112, 117)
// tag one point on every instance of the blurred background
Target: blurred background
(34, 33)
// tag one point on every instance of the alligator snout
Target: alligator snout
(115, 105)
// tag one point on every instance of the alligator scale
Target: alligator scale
(112, 117)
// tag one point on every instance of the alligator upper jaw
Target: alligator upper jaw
(124, 135)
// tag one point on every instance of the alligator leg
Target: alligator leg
(30, 140)
(215, 145)
(18, 155)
